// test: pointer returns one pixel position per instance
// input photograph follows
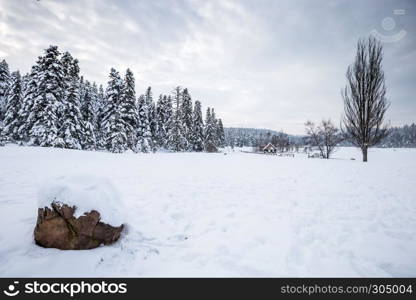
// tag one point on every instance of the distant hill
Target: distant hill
(399, 137)
(250, 137)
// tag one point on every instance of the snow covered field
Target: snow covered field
(198, 214)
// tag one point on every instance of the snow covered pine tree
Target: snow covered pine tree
(14, 102)
(186, 115)
(197, 128)
(144, 134)
(115, 138)
(210, 132)
(70, 133)
(164, 120)
(48, 97)
(4, 87)
(177, 140)
(128, 110)
(88, 117)
(220, 134)
(152, 115)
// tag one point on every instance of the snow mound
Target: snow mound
(86, 192)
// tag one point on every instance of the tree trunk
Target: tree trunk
(364, 150)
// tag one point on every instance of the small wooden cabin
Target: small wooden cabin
(269, 148)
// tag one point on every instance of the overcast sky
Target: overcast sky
(265, 64)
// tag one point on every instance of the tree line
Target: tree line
(400, 137)
(53, 106)
(258, 138)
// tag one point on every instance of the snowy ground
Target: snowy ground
(222, 215)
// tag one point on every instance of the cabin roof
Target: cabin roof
(269, 145)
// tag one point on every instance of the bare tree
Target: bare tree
(331, 136)
(281, 141)
(364, 96)
(325, 136)
(314, 138)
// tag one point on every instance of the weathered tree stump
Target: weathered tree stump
(58, 228)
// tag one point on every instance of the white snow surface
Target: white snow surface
(86, 193)
(200, 214)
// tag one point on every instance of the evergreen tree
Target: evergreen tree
(152, 118)
(4, 87)
(14, 103)
(177, 140)
(214, 121)
(99, 104)
(82, 87)
(210, 132)
(48, 98)
(170, 120)
(29, 94)
(115, 138)
(197, 128)
(153, 124)
(186, 115)
(71, 133)
(3, 138)
(88, 117)
(144, 142)
(25, 81)
(164, 119)
(67, 64)
(220, 134)
(129, 112)
(22, 119)
(97, 101)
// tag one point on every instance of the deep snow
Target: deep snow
(239, 214)
(86, 193)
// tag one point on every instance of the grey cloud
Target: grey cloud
(264, 63)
